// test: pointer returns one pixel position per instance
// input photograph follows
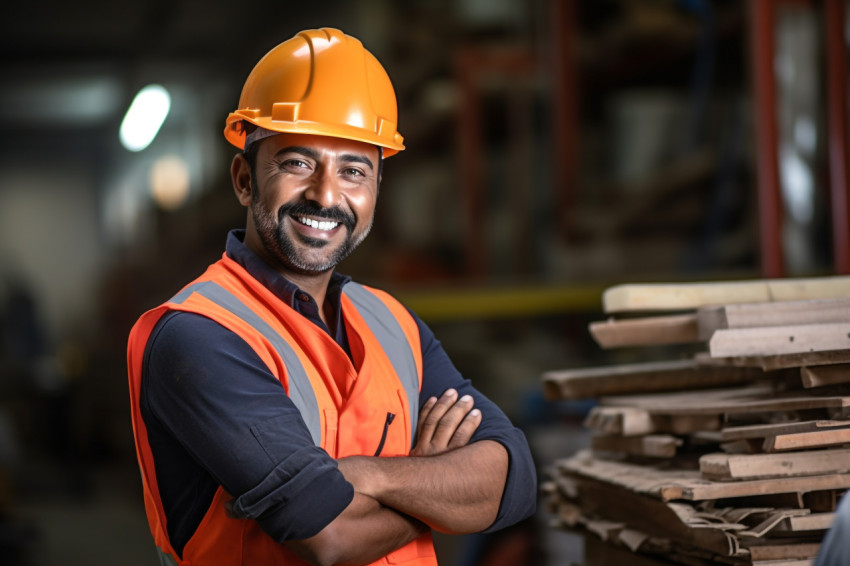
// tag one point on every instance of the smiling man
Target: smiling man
(284, 414)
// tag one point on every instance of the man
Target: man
(284, 414)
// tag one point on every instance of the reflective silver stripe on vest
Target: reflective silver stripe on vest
(393, 341)
(165, 559)
(300, 389)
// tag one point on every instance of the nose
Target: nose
(324, 190)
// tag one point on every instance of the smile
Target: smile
(324, 225)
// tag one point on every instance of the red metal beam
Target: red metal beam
(767, 164)
(471, 66)
(565, 103)
(470, 163)
(836, 80)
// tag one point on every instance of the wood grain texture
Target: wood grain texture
(720, 466)
(647, 331)
(779, 340)
(647, 377)
(686, 296)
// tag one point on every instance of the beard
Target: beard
(286, 249)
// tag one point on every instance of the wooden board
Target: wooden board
(766, 430)
(806, 440)
(648, 331)
(769, 521)
(686, 296)
(778, 313)
(778, 340)
(689, 485)
(732, 401)
(820, 376)
(771, 552)
(630, 421)
(772, 363)
(648, 377)
(624, 421)
(651, 445)
(811, 522)
(720, 466)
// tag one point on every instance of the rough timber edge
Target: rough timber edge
(647, 297)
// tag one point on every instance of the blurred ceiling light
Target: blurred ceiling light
(145, 116)
(798, 185)
(81, 100)
(169, 182)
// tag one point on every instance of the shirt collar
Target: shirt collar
(283, 288)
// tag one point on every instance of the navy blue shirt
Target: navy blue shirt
(215, 415)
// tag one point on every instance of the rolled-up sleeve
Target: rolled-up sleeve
(519, 499)
(214, 397)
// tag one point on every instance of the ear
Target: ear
(240, 175)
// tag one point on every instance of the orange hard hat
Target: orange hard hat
(320, 82)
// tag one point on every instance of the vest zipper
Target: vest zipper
(387, 423)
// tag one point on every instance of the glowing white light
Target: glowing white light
(798, 185)
(145, 116)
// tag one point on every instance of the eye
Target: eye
(353, 172)
(294, 164)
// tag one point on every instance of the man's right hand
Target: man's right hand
(445, 424)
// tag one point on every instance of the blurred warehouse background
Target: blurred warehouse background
(555, 147)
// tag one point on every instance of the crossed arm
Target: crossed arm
(446, 484)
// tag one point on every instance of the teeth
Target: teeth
(323, 225)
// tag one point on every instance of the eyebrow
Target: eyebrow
(357, 159)
(313, 154)
(305, 151)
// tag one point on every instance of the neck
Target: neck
(314, 285)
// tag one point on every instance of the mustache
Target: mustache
(334, 213)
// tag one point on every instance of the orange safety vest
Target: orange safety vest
(345, 406)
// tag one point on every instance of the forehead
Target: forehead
(320, 145)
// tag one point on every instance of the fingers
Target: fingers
(429, 421)
(451, 420)
(445, 423)
(425, 411)
(464, 431)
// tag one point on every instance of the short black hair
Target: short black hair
(250, 151)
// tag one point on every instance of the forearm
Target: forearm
(363, 533)
(458, 491)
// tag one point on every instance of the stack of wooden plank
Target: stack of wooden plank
(735, 453)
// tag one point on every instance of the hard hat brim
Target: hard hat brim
(234, 132)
